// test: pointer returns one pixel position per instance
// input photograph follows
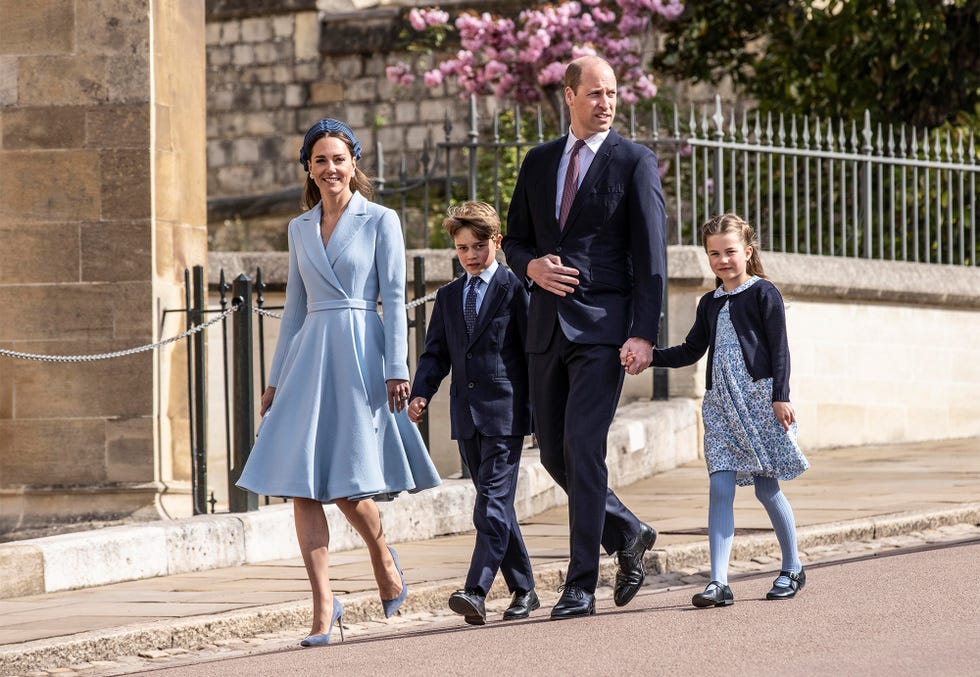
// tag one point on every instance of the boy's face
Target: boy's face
(476, 255)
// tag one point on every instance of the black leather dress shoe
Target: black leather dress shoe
(522, 605)
(716, 594)
(796, 583)
(631, 573)
(574, 602)
(470, 605)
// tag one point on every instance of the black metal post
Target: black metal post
(240, 500)
(661, 378)
(419, 324)
(200, 464)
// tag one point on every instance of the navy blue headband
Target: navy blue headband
(326, 126)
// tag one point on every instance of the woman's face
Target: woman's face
(331, 167)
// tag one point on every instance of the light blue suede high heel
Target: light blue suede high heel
(391, 605)
(324, 639)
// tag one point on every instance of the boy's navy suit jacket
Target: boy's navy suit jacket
(489, 388)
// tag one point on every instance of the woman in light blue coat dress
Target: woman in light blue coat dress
(334, 429)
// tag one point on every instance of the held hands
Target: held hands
(784, 414)
(266, 402)
(398, 391)
(636, 355)
(549, 274)
(416, 409)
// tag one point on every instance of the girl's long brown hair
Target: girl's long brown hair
(733, 223)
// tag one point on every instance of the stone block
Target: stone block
(122, 187)
(204, 542)
(63, 80)
(115, 251)
(38, 253)
(256, 29)
(114, 27)
(101, 557)
(231, 32)
(131, 325)
(27, 191)
(129, 449)
(65, 391)
(242, 55)
(269, 534)
(8, 81)
(306, 36)
(128, 80)
(326, 92)
(46, 452)
(22, 567)
(35, 128)
(41, 27)
(118, 126)
(70, 313)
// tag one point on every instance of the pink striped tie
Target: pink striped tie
(571, 184)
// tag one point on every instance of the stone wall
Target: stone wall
(101, 207)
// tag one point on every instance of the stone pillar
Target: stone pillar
(102, 206)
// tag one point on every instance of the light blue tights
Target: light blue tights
(721, 522)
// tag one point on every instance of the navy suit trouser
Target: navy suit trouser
(574, 394)
(494, 463)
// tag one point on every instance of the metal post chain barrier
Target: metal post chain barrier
(118, 353)
(159, 344)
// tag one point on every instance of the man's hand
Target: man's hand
(549, 274)
(636, 355)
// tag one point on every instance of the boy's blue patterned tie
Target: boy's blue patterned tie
(469, 306)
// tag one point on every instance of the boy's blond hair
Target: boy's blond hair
(480, 217)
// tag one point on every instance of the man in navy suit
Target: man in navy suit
(586, 232)
(478, 329)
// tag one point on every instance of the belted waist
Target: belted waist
(352, 304)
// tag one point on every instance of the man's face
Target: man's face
(593, 106)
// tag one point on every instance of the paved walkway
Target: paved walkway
(849, 494)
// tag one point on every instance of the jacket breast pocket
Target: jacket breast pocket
(603, 276)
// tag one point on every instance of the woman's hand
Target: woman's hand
(398, 391)
(784, 414)
(266, 400)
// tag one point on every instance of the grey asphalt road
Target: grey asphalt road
(915, 612)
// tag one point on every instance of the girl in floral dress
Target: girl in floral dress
(749, 423)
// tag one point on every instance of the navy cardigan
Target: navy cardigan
(759, 319)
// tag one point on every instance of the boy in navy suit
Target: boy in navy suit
(477, 331)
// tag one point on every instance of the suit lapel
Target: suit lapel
(454, 313)
(598, 168)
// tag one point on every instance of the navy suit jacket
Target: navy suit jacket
(615, 236)
(489, 388)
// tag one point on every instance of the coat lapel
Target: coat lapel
(315, 251)
(354, 219)
(454, 313)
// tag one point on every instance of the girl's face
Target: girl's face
(331, 167)
(728, 257)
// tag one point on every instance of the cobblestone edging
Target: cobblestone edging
(170, 643)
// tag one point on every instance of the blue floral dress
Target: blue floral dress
(741, 431)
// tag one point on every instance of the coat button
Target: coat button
(471, 385)
(469, 355)
(558, 250)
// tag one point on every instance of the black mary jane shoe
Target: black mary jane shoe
(716, 594)
(796, 583)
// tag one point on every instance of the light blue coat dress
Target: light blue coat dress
(329, 433)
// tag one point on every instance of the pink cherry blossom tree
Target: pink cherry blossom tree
(523, 61)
